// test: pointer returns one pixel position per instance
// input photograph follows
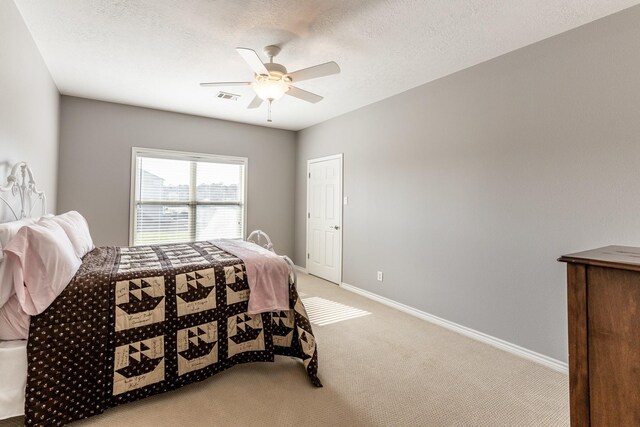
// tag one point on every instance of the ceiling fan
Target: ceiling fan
(272, 81)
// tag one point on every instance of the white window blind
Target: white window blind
(185, 197)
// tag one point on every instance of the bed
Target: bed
(138, 321)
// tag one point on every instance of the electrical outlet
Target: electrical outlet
(379, 276)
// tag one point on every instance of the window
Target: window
(186, 197)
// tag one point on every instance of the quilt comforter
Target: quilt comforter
(137, 321)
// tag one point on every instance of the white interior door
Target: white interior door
(324, 218)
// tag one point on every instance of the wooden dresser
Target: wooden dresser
(604, 336)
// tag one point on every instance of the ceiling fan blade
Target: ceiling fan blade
(326, 69)
(254, 61)
(303, 94)
(225, 84)
(255, 103)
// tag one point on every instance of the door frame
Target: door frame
(340, 157)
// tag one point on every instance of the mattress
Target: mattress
(13, 371)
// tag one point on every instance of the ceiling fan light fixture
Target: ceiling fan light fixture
(269, 89)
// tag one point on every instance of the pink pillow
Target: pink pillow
(77, 230)
(7, 232)
(9, 229)
(45, 263)
(14, 322)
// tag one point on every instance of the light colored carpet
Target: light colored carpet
(382, 369)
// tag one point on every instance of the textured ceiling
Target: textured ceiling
(153, 53)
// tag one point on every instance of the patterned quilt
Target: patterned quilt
(137, 321)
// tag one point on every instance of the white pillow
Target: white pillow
(44, 262)
(7, 231)
(77, 229)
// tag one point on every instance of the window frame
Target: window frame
(187, 156)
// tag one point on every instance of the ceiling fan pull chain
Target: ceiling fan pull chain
(269, 116)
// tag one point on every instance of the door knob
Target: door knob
(335, 227)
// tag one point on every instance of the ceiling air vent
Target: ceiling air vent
(229, 96)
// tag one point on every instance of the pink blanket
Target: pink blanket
(267, 274)
(14, 322)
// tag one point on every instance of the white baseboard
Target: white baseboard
(547, 361)
(301, 269)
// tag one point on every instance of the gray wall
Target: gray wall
(95, 163)
(464, 191)
(29, 103)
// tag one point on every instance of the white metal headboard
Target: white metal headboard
(20, 183)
